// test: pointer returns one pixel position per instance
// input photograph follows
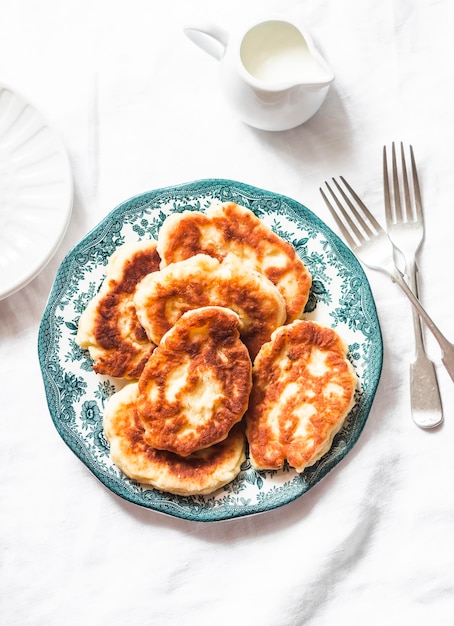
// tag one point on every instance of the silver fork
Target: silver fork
(405, 225)
(373, 247)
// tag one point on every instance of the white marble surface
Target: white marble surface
(139, 107)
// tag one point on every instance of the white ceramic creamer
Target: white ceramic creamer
(271, 72)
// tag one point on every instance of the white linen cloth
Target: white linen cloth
(139, 107)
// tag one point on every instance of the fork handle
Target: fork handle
(412, 281)
(447, 348)
(426, 406)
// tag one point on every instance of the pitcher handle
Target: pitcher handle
(210, 38)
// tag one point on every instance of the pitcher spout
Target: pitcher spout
(318, 78)
(278, 55)
(316, 72)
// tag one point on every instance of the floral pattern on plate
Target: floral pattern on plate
(340, 297)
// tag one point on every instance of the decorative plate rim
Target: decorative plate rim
(205, 508)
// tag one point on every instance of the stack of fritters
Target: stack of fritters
(178, 428)
(221, 291)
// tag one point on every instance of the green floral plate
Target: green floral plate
(340, 297)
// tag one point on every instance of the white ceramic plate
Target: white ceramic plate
(36, 192)
(340, 297)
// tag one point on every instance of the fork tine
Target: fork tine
(409, 213)
(416, 188)
(409, 207)
(346, 233)
(357, 228)
(388, 211)
(399, 217)
(371, 228)
(347, 216)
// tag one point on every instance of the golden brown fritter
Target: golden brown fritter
(303, 389)
(162, 298)
(200, 473)
(228, 228)
(109, 327)
(196, 384)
